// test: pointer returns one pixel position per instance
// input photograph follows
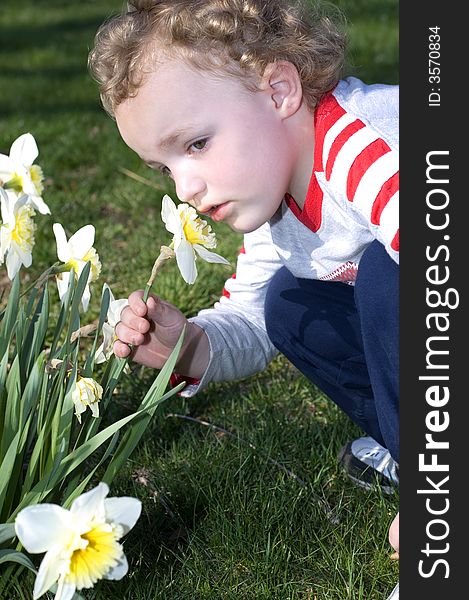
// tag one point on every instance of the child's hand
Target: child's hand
(394, 536)
(153, 330)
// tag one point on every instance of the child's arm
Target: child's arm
(235, 326)
(153, 329)
(223, 343)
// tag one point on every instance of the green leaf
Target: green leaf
(67, 413)
(75, 458)
(31, 300)
(44, 486)
(61, 321)
(110, 380)
(29, 347)
(17, 557)
(7, 532)
(34, 460)
(89, 364)
(3, 396)
(39, 326)
(12, 410)
(74, 323)
(74, 489)
(72, 460)
(9, 318)
(27, 429)
(7, 466)
(21, 344)
(32, 391)
(152, 399)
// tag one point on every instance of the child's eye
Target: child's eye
(199, 145)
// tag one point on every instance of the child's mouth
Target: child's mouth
(218, 213)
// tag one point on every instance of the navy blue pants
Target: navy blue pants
(345, 339)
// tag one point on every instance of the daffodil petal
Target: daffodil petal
(123, 510)
(5, 205)
(81, 241)
(39, 203)
(63, 251)
(13, 263)
(119, 571)
(4, 242)
(51, 568)
(24, 150)
(28, 187)
(65, 591)
(19, 202)
(115, 309)
(6, 167)
(111, 295)
(62, 284)
(85, 299)
(108, 333)
(91, 503)
(99, 356)
(208, 256)
(11, 201)
(25, 256)
(185, 259)
(170, 215)
(41, 526)
(104, 351)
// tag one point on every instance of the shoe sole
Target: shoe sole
(364, 475)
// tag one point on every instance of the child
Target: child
(241, 103)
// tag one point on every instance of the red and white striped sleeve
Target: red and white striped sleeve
(364, 168)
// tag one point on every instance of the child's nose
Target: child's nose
(188, 187)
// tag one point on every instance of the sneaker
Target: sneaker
(368, 463)
(395, 593)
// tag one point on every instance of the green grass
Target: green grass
(220, 519)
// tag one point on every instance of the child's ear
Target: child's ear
(282, 81)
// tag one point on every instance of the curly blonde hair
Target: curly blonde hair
(239, 37)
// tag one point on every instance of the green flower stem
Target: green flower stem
(166, 253)
(43, 277)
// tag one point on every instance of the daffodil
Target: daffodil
(104, 351)
(16, 232)
(19, 175)
(191, 237)
(75, 253)
(81, 544)
(86, 393)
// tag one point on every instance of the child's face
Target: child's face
(223, 145)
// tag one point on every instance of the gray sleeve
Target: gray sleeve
(235, 326)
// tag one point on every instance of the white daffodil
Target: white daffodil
(75, 253)
(192, 237)
(104, 352)
(81, 544)
(86, 393)
(16, 232)
(18, 174)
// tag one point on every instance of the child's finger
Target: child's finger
(137, 304)
(121, 350)
(129, 335)
(129, 319)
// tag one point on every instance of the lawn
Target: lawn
(242, 495)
